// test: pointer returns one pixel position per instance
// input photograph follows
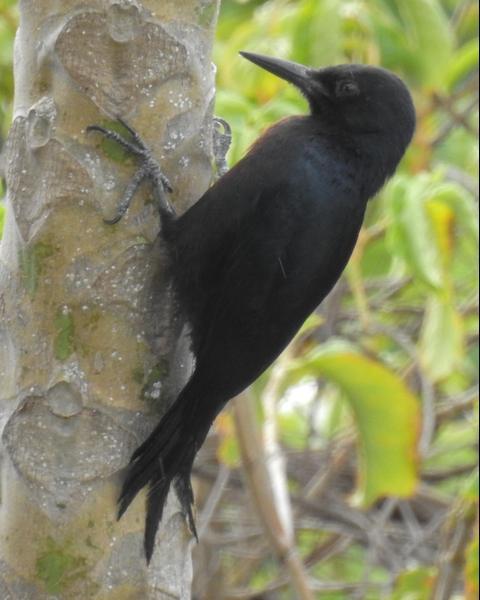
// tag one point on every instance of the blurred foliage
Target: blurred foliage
(8, 24)
(385, 413)
(406, 310)
(397, 337)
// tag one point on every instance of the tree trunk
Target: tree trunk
(91, 349)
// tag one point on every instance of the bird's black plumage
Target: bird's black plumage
(262, 248)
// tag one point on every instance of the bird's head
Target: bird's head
(356, 99)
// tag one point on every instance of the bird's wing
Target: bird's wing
(253, 303)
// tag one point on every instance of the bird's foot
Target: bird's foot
(222, 138)
(148, 169)
(183, 487)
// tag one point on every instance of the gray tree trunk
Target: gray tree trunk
(90, 346)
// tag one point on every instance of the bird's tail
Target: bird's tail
(165, 457)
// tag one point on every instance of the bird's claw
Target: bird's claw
(183, 487)
(222, 138)
(149, 169)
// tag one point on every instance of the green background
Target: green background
(402, 339)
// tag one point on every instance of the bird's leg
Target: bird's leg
(149, 169)
(222, 138)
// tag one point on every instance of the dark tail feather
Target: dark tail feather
(165, 457)
(183, 487)
(153, 463)
(157, 496)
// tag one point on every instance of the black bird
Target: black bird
(262, 248)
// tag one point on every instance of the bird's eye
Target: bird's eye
(345, 88)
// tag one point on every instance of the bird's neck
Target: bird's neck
(376, 153)
(379, 158)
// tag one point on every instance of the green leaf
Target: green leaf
(471, 567)
(429, 39)
(415, 584)
(441, 343)
(317, 32)
(461, 203)
(376, 259)
(310, 324)
(228, 450)
(386, 415)
(411, 234)
(464, 62)
(470, 489)
(293, 430)
(425, 212)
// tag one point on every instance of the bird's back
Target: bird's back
(269, 257)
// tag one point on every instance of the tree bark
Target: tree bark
(91, 347)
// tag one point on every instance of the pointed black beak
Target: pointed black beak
(295, 73)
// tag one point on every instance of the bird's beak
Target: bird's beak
(295, 73)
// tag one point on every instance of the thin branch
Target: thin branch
(259, 483)
(334, 545)
(320, 482)
(317, 586)
(457, 118)
(442, 474)
(213, 499)
(276, 462)
(457, 404)
(452, 559)
(426, 387)
(462, 178)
